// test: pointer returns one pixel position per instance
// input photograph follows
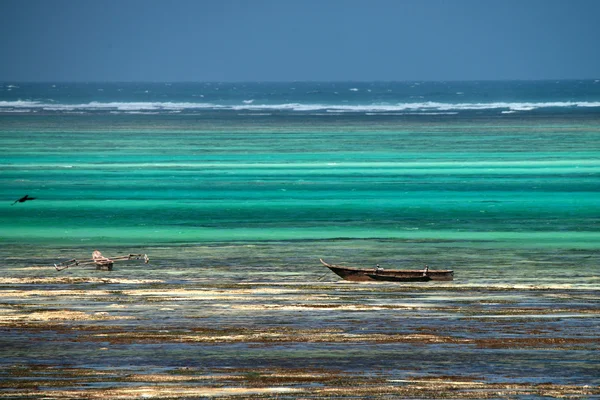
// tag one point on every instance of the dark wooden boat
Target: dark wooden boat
(390, 275)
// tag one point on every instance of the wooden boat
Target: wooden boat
(101, 262)
(390, 275)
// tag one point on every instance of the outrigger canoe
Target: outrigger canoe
(101, 262)
(390, 275)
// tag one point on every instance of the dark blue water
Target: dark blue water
(314, 98)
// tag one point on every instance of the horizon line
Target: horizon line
(300, 81)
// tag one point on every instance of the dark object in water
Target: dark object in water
(23, 199)
(101, 262)
(390, 275)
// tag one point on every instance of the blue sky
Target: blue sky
(294, 40)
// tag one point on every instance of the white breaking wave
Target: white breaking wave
(249, 105)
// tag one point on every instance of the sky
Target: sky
(298, 40)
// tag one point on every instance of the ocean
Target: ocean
(249, 184)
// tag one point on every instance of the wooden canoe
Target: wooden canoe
(390, 275)
(101, 262)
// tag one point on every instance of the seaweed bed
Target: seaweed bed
(98, 337)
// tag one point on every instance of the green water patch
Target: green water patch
(185, 235)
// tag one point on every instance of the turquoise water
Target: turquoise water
(511, 184)
(501, 177)
(450, 191)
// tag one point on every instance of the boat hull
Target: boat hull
(389, 275)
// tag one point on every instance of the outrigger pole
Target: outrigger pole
(100, 261)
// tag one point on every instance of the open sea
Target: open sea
(235, 190)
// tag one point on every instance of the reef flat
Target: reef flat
(114, 337)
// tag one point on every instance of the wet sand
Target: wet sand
(93, 334)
